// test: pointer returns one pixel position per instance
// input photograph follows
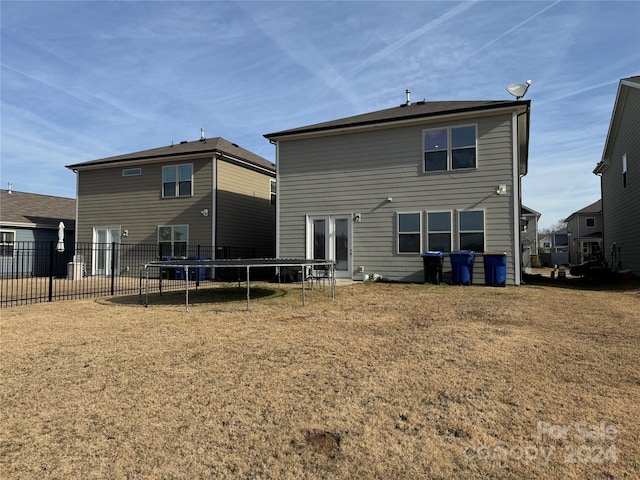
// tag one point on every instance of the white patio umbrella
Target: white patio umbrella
(60, 245)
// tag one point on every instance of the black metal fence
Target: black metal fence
(38, 272)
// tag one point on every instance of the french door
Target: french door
(329, 238)
(103, 239)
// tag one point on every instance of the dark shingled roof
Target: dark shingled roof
(403, 112)
(207, 146)
(38, 210)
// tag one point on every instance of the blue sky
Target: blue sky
(87, 80)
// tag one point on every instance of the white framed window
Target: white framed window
(471, 230)
(131, 172)
(273, 191)
(7, 243)
(589, 222)
(409, 232)
(450, 148)
(173, 240)
(439, 231)
(624, 171)
(177, 180)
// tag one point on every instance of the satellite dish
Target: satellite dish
(518, 90)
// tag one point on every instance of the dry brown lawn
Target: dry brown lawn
(388, 381)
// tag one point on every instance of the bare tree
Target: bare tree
(555, 227)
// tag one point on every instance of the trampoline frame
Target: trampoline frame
(247, 263)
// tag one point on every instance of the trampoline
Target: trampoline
(186, 266)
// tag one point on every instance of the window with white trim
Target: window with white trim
(624, 171)
(177, 181)
(131, 172)
(7, 243)
(439, 231)
(471, 230)
(173, 240)
(273, 191)
(409, 228)
(589, 222)
(451, 148)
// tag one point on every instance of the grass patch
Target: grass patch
(387, 381)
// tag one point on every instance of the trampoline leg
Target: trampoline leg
(186, 288)
(248, 290)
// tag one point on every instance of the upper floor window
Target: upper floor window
(131, 172)
(471, 230)
(7, 243)
(590, 222)
(273, 191)
(173, 240)
(177, 181)
(624, 171)
(450, 148)
(439, 231)
(409, 228)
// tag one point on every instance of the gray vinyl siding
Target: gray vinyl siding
(106, 198)
(355, 173)
(621, 207)
(246, 217)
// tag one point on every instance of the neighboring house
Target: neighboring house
(554, 248)
(528, 235)
(584, 229)
(209, 193)
(374, 191)
(28, 226)
(619, 172)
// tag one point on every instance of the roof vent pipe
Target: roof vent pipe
(202, 134)
(408, 92)
(9, 189)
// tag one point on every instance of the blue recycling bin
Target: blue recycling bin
(432, 262)
(462, 267)
(495, 269)
(198, 273)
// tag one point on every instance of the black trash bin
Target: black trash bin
(495, 269)
(462, 267)
(432, 262)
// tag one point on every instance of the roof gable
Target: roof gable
(618, 107)
(593, 209)
(209, 146)
(34, 210)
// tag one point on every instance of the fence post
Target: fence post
(113, 267)
(51, 253)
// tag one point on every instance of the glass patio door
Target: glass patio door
(330, 239)
(103, 239)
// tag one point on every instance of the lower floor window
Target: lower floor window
(439, 231)
(409, 228)
(7, 242)
(471, 230)
(173, 240)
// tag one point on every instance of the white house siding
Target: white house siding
(621, 207)
(355, 173)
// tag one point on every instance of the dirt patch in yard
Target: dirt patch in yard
(387, 381)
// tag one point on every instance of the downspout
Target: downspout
(517, 199)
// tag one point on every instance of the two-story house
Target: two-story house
(375, 191)
(584, 231)
(210, 193)
(529, 219)
(619, 172)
